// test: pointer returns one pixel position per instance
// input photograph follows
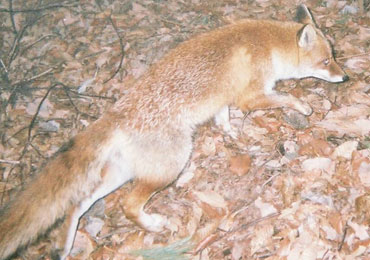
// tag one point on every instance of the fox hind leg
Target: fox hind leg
(134, 204)
(158, 165)
(64, 237)
(114, 174)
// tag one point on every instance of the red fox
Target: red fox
(147, 135)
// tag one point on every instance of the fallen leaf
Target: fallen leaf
(358, 64)
(240, 164)
(361, 231)
(364, 173)
(271, 124)
(362, 204)
(262, 236)
(94, 226)
(186, 176)
(316, 147)
(265, 208)
(83, 245)
(345, 150)
(318, 163)
(209, 146)
(350, 120)
(296, 119)
(212, 198)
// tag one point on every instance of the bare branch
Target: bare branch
(15, 47)
(42, 8)
(33, 77)
(9, 161)
(35, 42)
(120, 43)
(12, 16)
(353, 56)
(37, 112)
(2, 64)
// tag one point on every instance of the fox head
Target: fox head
(314, 51)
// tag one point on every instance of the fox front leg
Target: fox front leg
(289, 101)
(273, 99)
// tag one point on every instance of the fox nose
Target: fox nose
(345, 78)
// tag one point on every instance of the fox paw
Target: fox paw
(153, 222)
(229, 130)
(222, 119)
(233, 133)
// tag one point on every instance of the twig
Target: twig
(37, 112)
(343, 237)
(35, 42)
(212, 238)
(37, 150)
(2, 64)
(352, 56)
(122, 50)
(92, 55)
(269, 179)
(361, 6)
(42, 8)
(90, 95)
(17, 39)
(70, 99)
(33, 77)
(171, 22)
(12, 16)
(9, 161)
(326, 252)
(19, 82)
(66, 90)
(120, 43)
(17, 132)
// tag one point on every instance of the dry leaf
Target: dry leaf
(240, 164)
(94, 226)
(186, 176)
(209, 146)
(211, 198)
(350, 120)
(362, 204)
(316, 147)
(364, 173)
(262, 236)
(358, 64)
(345, 150)
(271, 124)
(83, 245)
(318, 163)
(361, 231)
(265, 208)
(237, 250)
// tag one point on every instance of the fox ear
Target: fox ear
(304, 15)
(306, 36)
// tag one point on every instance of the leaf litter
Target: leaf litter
(287, 187)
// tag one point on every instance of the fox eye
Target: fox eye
(326, 62)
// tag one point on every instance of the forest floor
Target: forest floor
(288, 187)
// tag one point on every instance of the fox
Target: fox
(145, 138)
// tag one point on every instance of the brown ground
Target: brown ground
(289, 187)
